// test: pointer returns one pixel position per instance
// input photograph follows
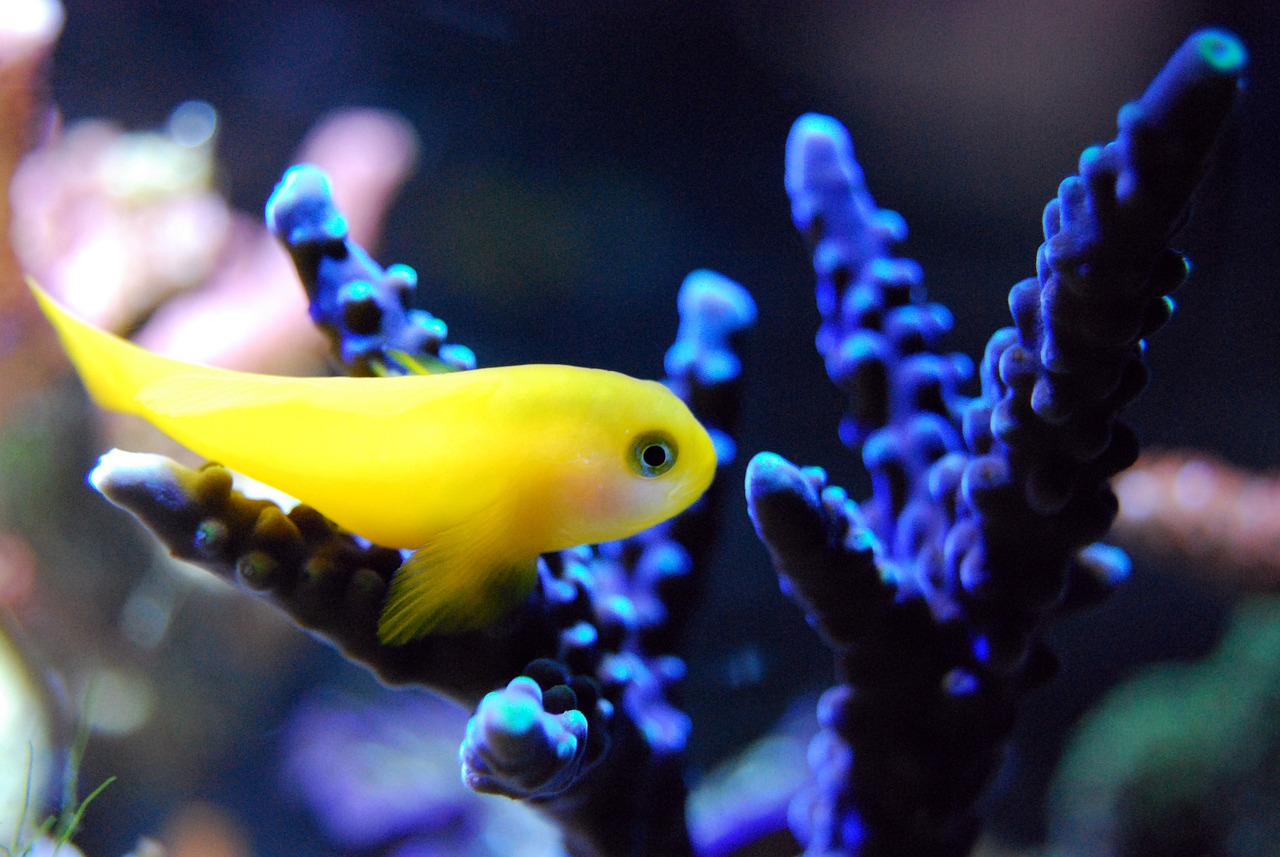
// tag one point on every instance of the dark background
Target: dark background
(579, 158)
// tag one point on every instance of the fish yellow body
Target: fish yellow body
(478, 472)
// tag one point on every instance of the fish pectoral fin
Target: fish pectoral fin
(444, 588)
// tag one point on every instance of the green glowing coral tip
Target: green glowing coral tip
(1221, 50)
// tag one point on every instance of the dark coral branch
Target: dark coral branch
(1104, 273)
(978, 530)
(823, 551)
(326, 580)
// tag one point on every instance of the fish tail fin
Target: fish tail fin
(112, 369)
(434, 594)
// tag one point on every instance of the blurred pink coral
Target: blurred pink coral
(17, 570)
(28, 30)
(126, 226)
(115, 222)
(1220, 524)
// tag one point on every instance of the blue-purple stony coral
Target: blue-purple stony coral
(713, 310)
(362, 308)
(981, 525)
(515, 746)
(933, 592)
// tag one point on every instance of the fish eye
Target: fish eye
(652, 454)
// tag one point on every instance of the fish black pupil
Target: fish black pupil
(654, 455)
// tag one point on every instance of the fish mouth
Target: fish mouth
(685, 493)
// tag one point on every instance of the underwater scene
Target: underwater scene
(639, 429)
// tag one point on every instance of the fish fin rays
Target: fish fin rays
(456, 582)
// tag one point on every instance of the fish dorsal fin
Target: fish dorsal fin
(461, 580)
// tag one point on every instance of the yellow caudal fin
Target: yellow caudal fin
(440, 590)
(112, 369)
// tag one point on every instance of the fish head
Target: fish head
(650, 460)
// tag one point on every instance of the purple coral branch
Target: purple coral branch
(362, 307)
(934, 591)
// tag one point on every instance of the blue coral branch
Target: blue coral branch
(985, 510)
(362, 307)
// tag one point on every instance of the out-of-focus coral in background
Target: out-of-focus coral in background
(27, 34)
(553, 171)
(1214, 522)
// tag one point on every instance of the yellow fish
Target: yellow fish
(478, 472)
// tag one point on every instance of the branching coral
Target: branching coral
(984, 510)
(586, 727)
(360, 307)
